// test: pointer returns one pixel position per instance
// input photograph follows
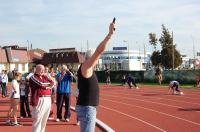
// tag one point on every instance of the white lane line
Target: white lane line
(133, 118)
(159, 98)
(192, 122)
(163, 90)
(142, 101)
(153, 92)
(148, 101)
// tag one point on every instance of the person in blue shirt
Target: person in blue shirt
(63, 93)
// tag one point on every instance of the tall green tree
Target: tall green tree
(153, 40)
(156, 58)
(169, 56)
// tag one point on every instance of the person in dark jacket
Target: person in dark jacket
(24, 101)
(131, 81)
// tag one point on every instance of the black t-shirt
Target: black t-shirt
(88, 90)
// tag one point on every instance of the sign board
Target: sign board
(119, 48)
(197, 62)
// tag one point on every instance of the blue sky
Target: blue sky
(64, 23)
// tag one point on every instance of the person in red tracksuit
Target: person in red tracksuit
(41, 87)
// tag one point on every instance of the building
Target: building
(14, 57)
(120, 58)
(67, 56)
(35, 57)
(186, 63)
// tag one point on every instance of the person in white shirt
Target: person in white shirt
(4, 82)
(175, 87)
(14, 98)
(31, 73)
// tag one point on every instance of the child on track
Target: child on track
(14, 98)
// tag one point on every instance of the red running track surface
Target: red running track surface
(148, 109)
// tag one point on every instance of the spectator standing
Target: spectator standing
(14, 98)
(40, 86)
(24, 101)
(107, 74)
(63, 93)
(52, 75)
(4, 82)
(158, 74)
(88, 98)
(31, 73)
(123, 79)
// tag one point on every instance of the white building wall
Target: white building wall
(135, 62)
(26, 68)
(2, 67)
(135, 65)
(12, 67)
(20, 68)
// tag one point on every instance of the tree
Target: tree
(156, 58)
(169, 57)
(153, 40)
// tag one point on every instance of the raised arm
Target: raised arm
(90, 63)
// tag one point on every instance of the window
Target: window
(16, 66)
(23, 67)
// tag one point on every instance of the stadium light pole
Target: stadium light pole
(193, 52)
(125, 41)
(172, 51)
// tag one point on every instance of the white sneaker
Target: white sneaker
(78, 123)
(57, 120)
(50, 118)
(67, 119)
(8, 122)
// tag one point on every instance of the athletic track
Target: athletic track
(148, 109)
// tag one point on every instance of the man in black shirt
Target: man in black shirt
(88, 98)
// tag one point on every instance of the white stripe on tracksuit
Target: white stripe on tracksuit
(39, 82)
